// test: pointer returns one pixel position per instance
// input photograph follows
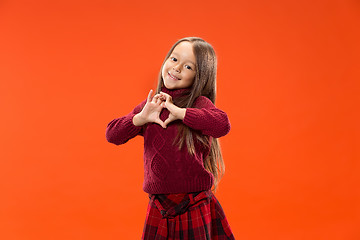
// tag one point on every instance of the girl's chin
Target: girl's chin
(169, 83)
(169, 86)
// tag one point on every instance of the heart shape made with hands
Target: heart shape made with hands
(157, 103)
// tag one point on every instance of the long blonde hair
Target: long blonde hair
(204, 85)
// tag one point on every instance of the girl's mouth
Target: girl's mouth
(173, 77)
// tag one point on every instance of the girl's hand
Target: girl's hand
(175, 111)
(152, 109)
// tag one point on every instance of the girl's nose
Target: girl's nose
(176, 68)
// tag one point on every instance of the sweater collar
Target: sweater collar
(174, 93)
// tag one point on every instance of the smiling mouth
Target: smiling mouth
(173, 77)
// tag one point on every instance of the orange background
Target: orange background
(288, 78)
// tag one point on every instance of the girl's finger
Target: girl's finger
(162, 98)
(161, 123)
(156, 98)
(167, 96)
(164, 95)
(149, 96)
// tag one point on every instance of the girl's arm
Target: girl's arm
(207, 118)
(122, 129)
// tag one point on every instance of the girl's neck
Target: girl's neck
(176, 92)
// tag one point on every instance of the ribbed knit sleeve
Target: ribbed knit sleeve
(122, 129)
(207, 118)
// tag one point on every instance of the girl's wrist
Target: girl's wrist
(181, 114)
(138, 120)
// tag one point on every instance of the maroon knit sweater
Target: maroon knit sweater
(166, 169)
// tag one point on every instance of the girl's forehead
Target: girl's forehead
(185, 51)
(185, 45)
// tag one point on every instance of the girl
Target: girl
(178, 177)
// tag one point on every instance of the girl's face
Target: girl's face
(179, 69)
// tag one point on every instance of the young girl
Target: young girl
(181, 126)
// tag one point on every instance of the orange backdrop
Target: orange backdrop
(288, 78)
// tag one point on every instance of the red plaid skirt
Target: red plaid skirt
(195, 216)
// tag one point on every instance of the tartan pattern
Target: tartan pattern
(197, 216)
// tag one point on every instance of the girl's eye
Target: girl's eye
(188, 67)
(173, 58)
